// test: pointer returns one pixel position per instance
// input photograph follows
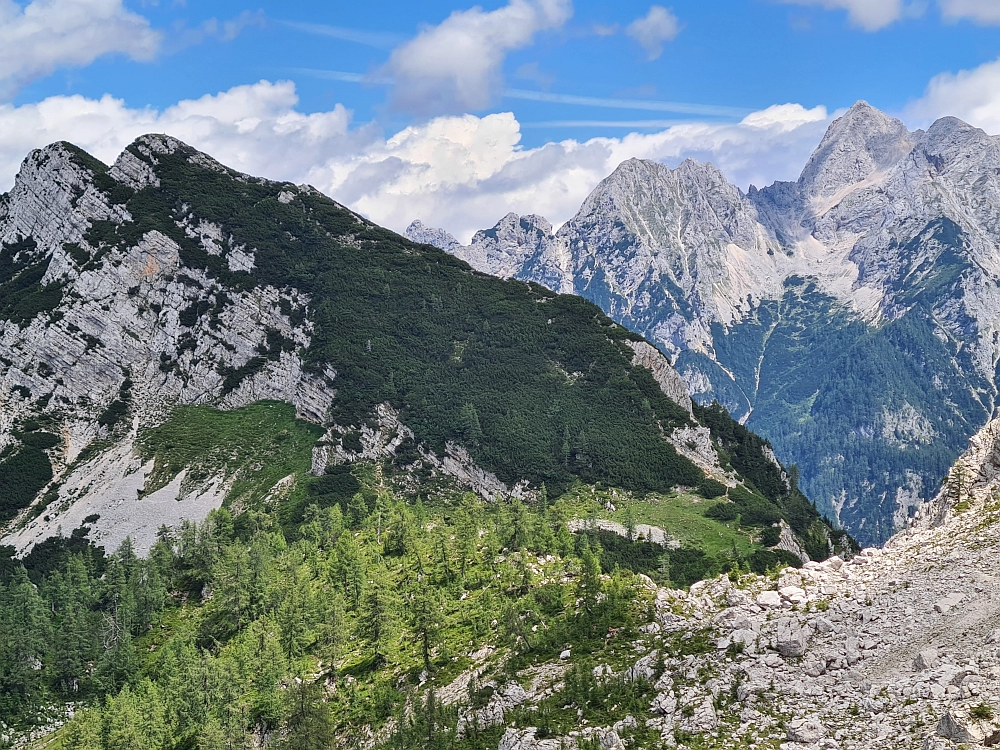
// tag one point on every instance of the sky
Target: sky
(456, 114)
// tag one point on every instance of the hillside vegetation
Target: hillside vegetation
(257, 628)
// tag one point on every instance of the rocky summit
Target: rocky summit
(850, 316)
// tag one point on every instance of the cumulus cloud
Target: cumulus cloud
(656, 27)
(971, 95)
(47, 34)
(457, 65)
(980, 11)
(870, 15)
(458, 172)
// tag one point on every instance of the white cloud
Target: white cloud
(47, 34)
(457, 65)
(462, 173)
(971, 95)
(870, 15)
(981, 11)
(658, 26)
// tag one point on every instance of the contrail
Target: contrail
(369, 38)
(681, 108)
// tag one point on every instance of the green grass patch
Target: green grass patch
(255, 446)
(681, 515)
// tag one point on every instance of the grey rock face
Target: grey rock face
(127, 314)
(666, 376)
(430, 236)
(857, 145)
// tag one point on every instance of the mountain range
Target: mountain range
(851, 317)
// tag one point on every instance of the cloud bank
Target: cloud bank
(47, 34)
(980, 11)
(870, 15)
(971, 95)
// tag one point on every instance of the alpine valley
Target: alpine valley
(852, 317)
(272, 476)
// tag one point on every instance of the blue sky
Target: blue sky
(584, 83)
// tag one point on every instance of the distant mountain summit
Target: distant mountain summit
(850, 316)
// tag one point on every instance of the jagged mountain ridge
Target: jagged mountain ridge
(877, 268)
(169, 281)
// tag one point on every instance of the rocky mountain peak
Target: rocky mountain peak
(425, 235)
(54, 197)
(518, 228)
(861, 142)
(501, 250)
(949, 139)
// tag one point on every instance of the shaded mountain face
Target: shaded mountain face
(850, 317)
(134, 297)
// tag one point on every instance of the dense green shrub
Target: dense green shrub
(710, 489)
(722, 511)
(771, 535)
(764, 560)
(22, 476)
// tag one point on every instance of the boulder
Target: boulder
(794, 594)
(664, 704)
(792, 637)
(769, 599)
(926, 659)
(611, 741)
(704, 718)
(524, 739)
(644, 669)
(948, 603)
(747, 637)
(807, 731)
(629, 722)
(958, 725)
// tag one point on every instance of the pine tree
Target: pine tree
(377, 619)
(310, 726)
(589, 587)
(425, 616)
(232, 580)
(293, 613)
